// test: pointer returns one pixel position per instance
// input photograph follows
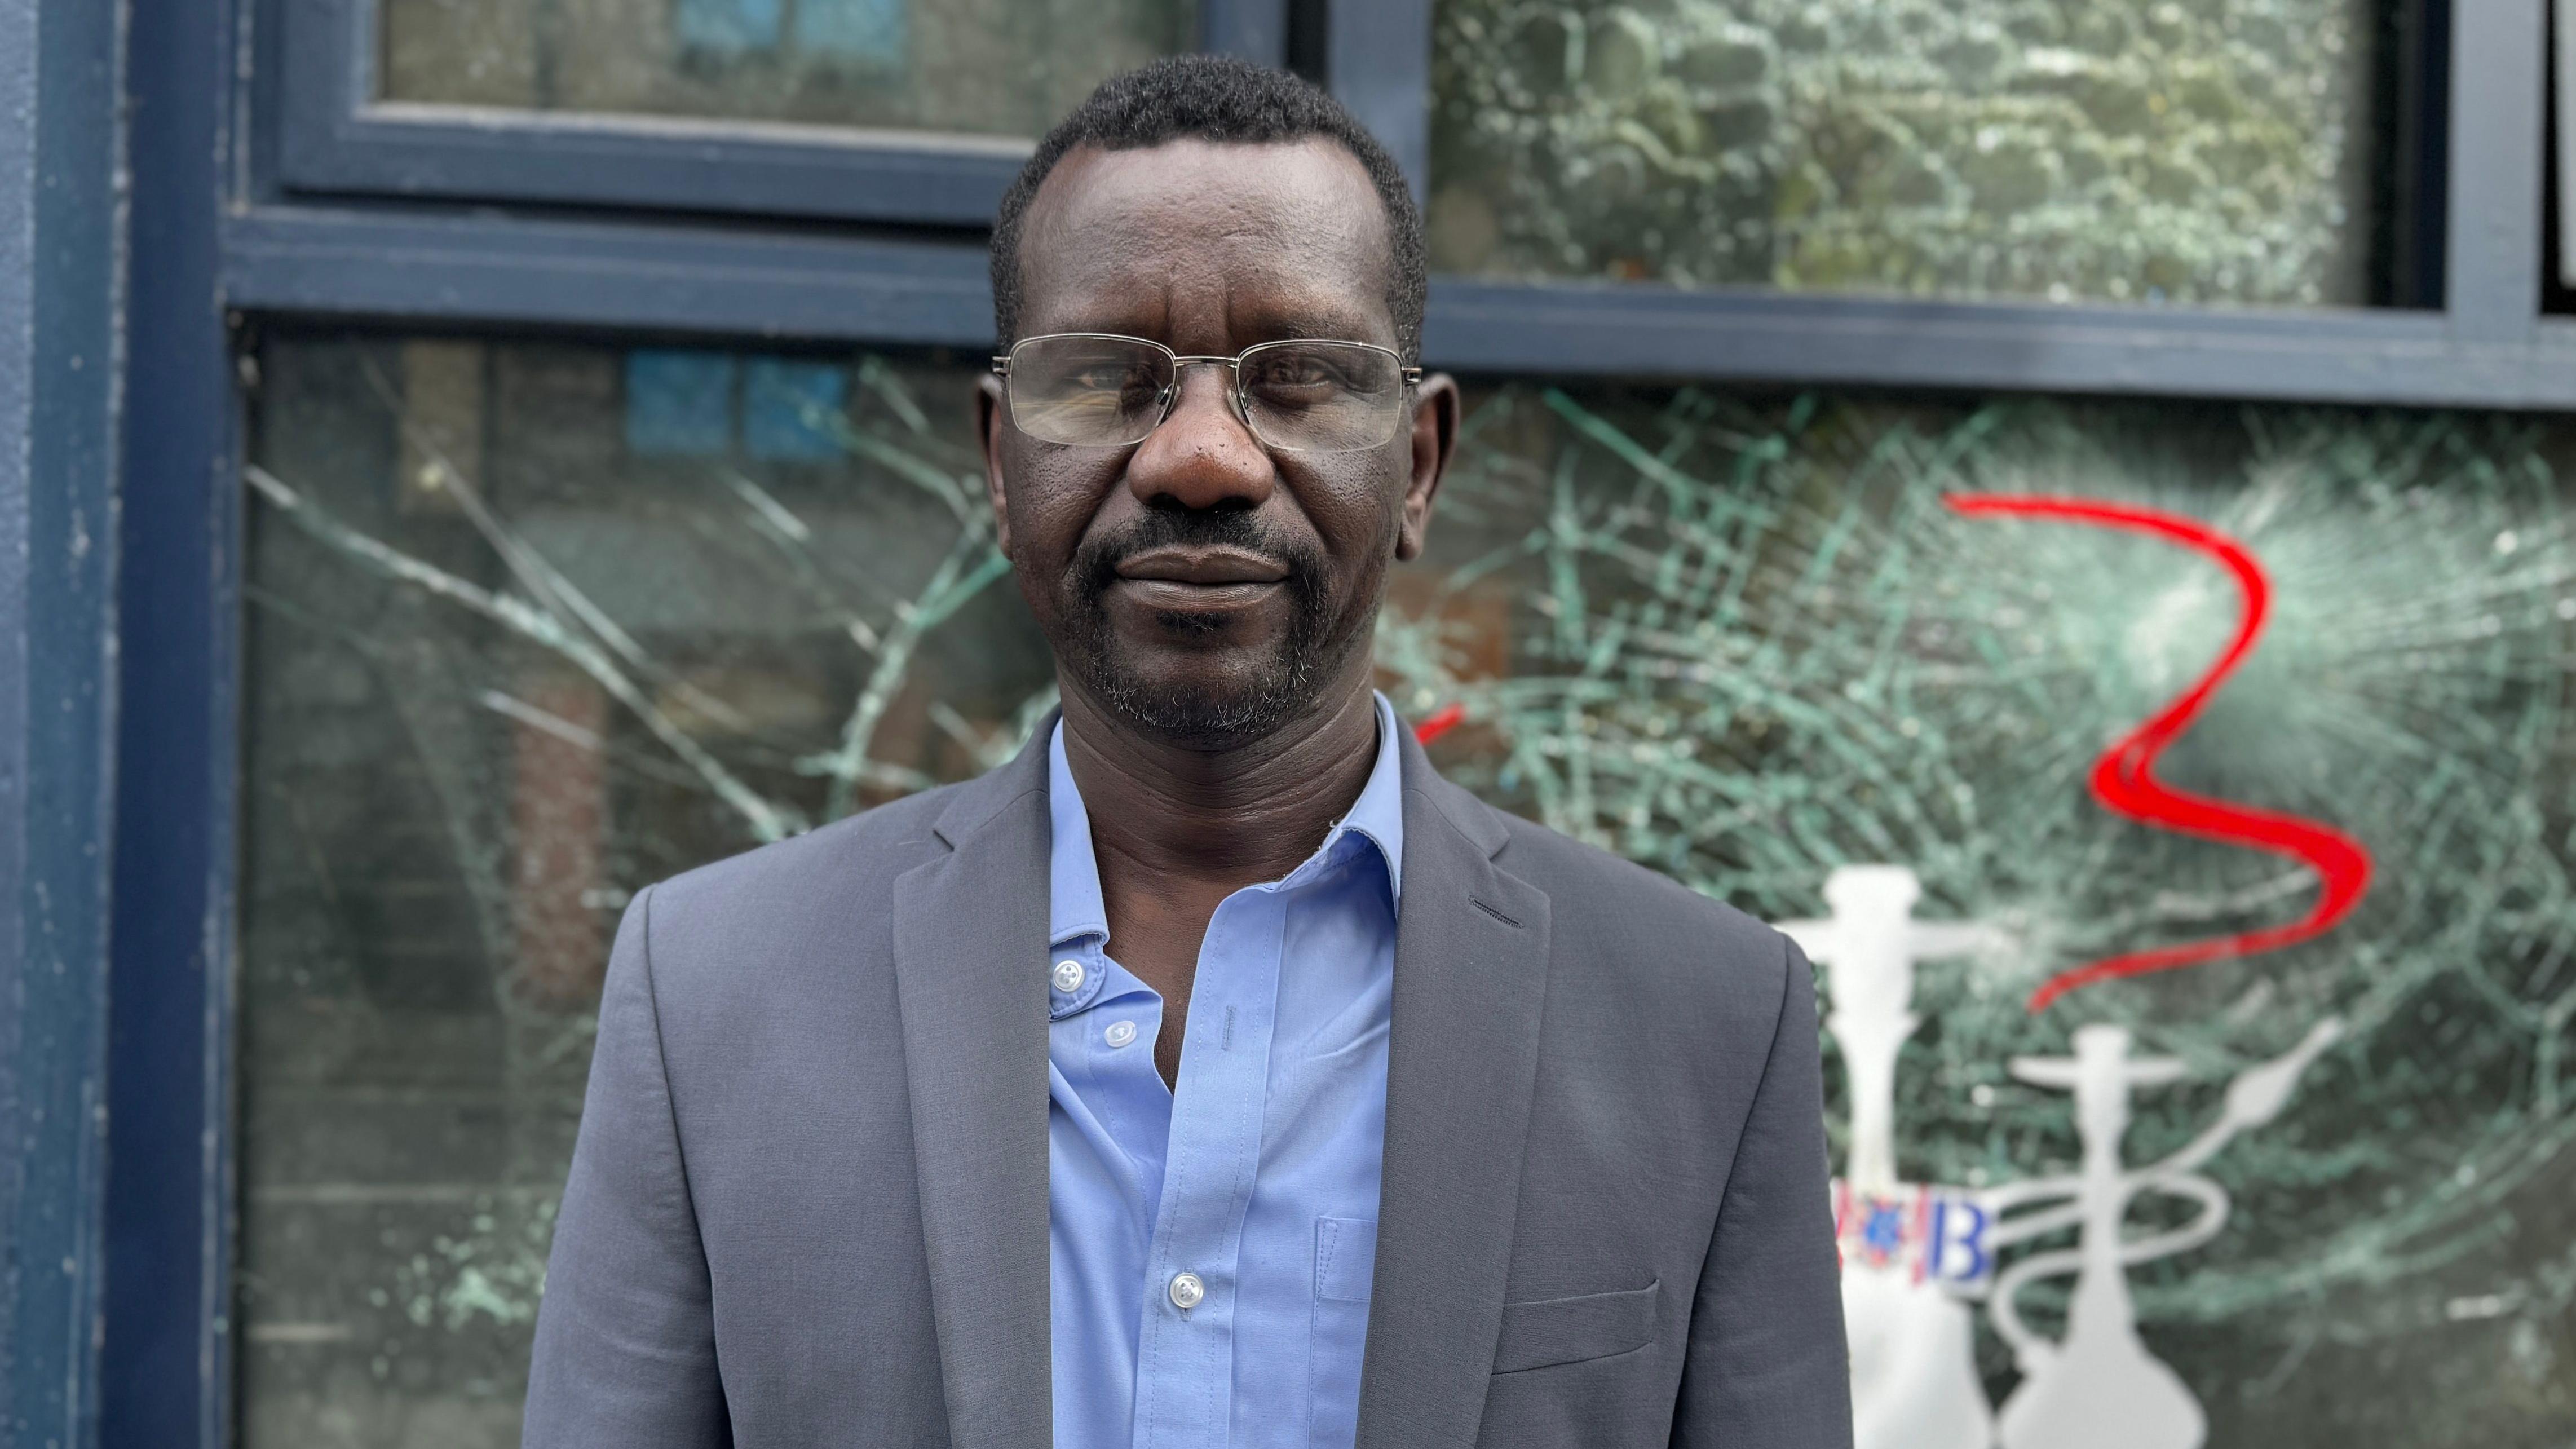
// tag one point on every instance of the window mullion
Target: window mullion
(2492, 272)
(1378, 63)
(1257, 30)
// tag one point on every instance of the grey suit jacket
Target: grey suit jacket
(808, 1205)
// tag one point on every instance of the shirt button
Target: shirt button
(1187, 1290)
(1068, 976)
(1121, 1032)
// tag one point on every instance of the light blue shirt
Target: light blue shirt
(1259, 1176)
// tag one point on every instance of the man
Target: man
(1214, 1073)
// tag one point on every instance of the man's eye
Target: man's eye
(1113, 379)
(1297, 374)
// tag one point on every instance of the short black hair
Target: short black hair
(1224, 99)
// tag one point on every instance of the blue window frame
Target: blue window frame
(2486, 342)
(312, 201)
(59, 292)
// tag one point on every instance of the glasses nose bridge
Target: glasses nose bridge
(1231, 390)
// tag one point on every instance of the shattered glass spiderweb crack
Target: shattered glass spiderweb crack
(1742, 641)
(1760, 650)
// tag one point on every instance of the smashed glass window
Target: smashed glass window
(531, 627)
(534, 625)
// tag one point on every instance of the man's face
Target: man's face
(1198, 585)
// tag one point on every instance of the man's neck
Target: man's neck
(1219, 819)
(1175, 831)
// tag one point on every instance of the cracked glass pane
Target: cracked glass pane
(980, 67)
(533, 625)
(2185, 152)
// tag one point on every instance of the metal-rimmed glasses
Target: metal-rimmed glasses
(1300, 395)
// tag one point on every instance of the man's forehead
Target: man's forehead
(1292, 231)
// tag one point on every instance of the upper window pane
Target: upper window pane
(2187, 152)
(987, 67)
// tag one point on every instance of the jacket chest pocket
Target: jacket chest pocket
(1544, 1332)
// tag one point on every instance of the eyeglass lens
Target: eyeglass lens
(1301, 396)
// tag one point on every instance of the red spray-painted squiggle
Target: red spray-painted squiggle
(2124, 778)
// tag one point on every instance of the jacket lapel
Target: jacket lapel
(969, 954)
(1471, 958)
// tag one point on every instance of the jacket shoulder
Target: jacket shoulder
(1653, 989)
(1550, 858)
(1602, 900)
(860, 855)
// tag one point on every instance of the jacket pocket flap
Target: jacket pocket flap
(1569, 1330)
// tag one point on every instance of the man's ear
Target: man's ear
(1435, 433)
(989, 425)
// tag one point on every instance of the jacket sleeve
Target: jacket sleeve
(1766, 1366)
(625, 1345)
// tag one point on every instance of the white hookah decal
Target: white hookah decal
(1916, 1255)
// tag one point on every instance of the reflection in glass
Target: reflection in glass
(532, 626)
(978, 67)
(2187, 152)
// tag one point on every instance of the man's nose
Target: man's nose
(1202, 456)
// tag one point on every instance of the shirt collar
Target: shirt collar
(1073, 886)
(1073, 872)
(1377, 816)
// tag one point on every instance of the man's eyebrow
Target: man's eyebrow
(1305, 324)
(1305, 318)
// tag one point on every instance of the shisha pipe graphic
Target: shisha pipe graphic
(2099, 1386)
(2124, 777)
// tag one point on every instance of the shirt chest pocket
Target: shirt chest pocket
(1345, 1265)
(1345, 1259)
(1544, 1332)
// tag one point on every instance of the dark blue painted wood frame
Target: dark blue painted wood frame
(500, 271)
(2486, 345)
(61, 275)
(166, 1368)
(426, 246)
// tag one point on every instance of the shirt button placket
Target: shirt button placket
(1187, 1290)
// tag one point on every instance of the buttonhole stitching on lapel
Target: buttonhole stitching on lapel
(1489, 910)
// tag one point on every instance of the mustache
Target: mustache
(1095, 563)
